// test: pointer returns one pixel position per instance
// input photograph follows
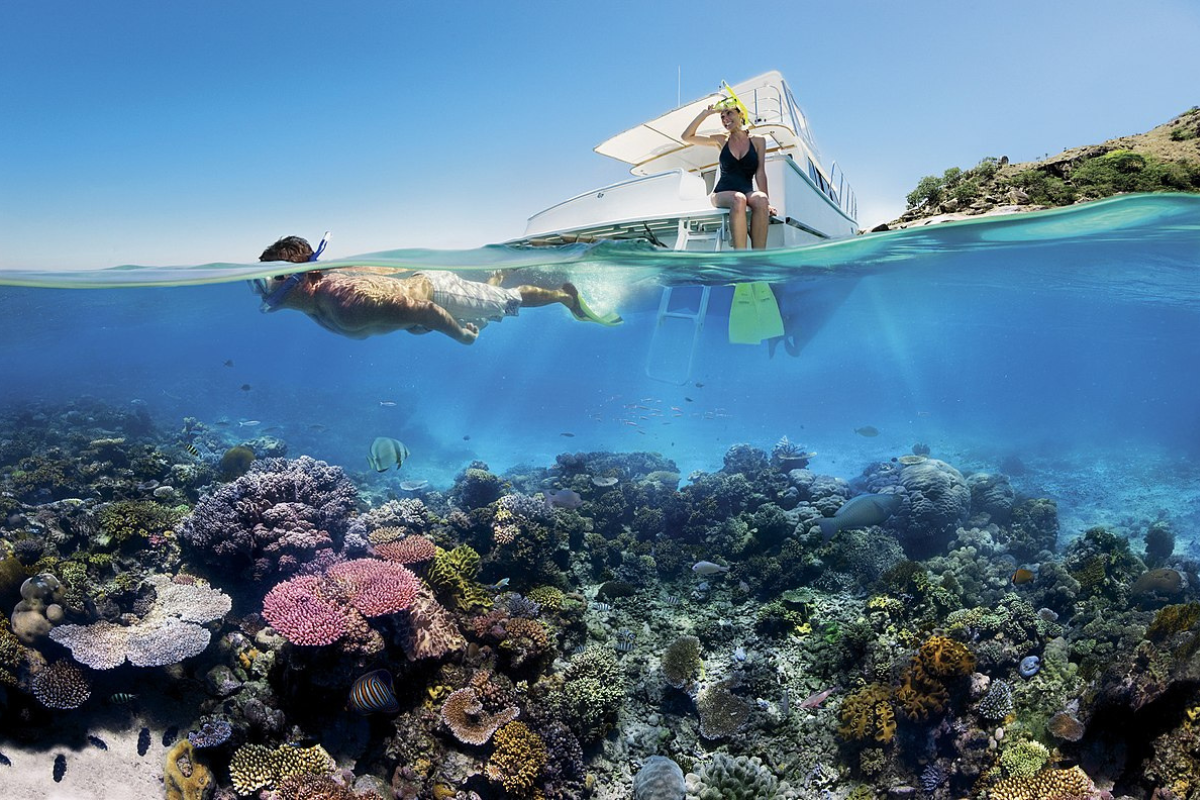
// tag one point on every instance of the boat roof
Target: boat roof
(657, 146)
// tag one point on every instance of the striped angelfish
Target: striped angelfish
(372, 694)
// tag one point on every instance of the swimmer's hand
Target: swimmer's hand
(470, 332)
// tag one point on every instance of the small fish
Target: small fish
(143, 741)
(467, 438)
(498, 586)
(249, 423)
(245, 387)
(96, 741)
(563, 498)
(372, 694)
(816, 699)
(318, 427)
(568, 435)
(147, 486)
(699, 385)
(688, 400)
(221, 423)
(1022, 575)
(867, 430)
(386, 452)
(671, 600)
(121, 698)
(707, 568)
(623, 645)
(170, 735)
(413, 486)
(739, 654)
(860, 512)
(625, 633)
(228, 362)
(191, 450)
(597, 605)
(603, 482)
(388, 403)
(60, 767)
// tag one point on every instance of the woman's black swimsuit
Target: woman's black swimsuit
(737, 174)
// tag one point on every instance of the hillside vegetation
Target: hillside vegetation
(1166, 158)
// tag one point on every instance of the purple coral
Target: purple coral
(279, 515)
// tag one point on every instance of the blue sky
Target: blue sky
(189, 132)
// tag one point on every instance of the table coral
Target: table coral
(464, 716)
(413, 549)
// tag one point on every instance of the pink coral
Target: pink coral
(374, 587)
(303, 613)
(409, 550)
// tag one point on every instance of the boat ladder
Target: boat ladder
(679, 324)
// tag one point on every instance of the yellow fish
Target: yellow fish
(385, 452)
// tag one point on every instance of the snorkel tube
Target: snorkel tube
(271, 302)
(733, 101)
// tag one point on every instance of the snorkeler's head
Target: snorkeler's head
(289, 248)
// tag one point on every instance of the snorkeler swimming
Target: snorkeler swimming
(366, 301)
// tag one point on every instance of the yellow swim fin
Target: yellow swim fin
(587, 315)
(754, 315)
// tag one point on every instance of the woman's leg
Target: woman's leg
(760, 219)
(736, 203)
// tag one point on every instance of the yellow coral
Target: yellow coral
(184, 777)
(1049, 784)
(945, 657)
(868, 713)
(518, 760)
(549, 596)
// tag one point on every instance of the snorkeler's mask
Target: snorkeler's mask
(271, 301)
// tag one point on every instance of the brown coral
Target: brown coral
(464, 716)
(518, 760)
(428, 630)
(867, 713)
(413, 549)
(946, 658)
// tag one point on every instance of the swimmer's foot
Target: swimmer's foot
(581, 312)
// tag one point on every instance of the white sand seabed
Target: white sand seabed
(117, 773)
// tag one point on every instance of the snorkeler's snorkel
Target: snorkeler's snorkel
(733, 101)
(272, 301)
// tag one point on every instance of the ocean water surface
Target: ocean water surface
(1059, 349)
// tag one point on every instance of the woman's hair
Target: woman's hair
(289, 248)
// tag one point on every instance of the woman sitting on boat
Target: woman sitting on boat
(743, 165)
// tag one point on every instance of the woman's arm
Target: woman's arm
(691, 137)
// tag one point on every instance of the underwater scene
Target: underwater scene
(938, 539)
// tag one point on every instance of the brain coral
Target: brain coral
(727, 778)
(659, 778)
(936, 501)
(993, 495)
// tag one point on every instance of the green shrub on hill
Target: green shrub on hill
(1127, 171)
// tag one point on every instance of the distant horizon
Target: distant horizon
(249, 123)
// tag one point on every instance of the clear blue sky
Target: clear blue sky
(187, 132)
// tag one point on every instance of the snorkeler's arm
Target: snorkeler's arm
(691, 137)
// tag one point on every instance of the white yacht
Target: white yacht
(667, 203)
(667, 200)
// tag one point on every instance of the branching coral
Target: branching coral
(454, 571)
(279, 515)
(61, 685)
(1049, 784)
(255, 766)
(518, 760)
